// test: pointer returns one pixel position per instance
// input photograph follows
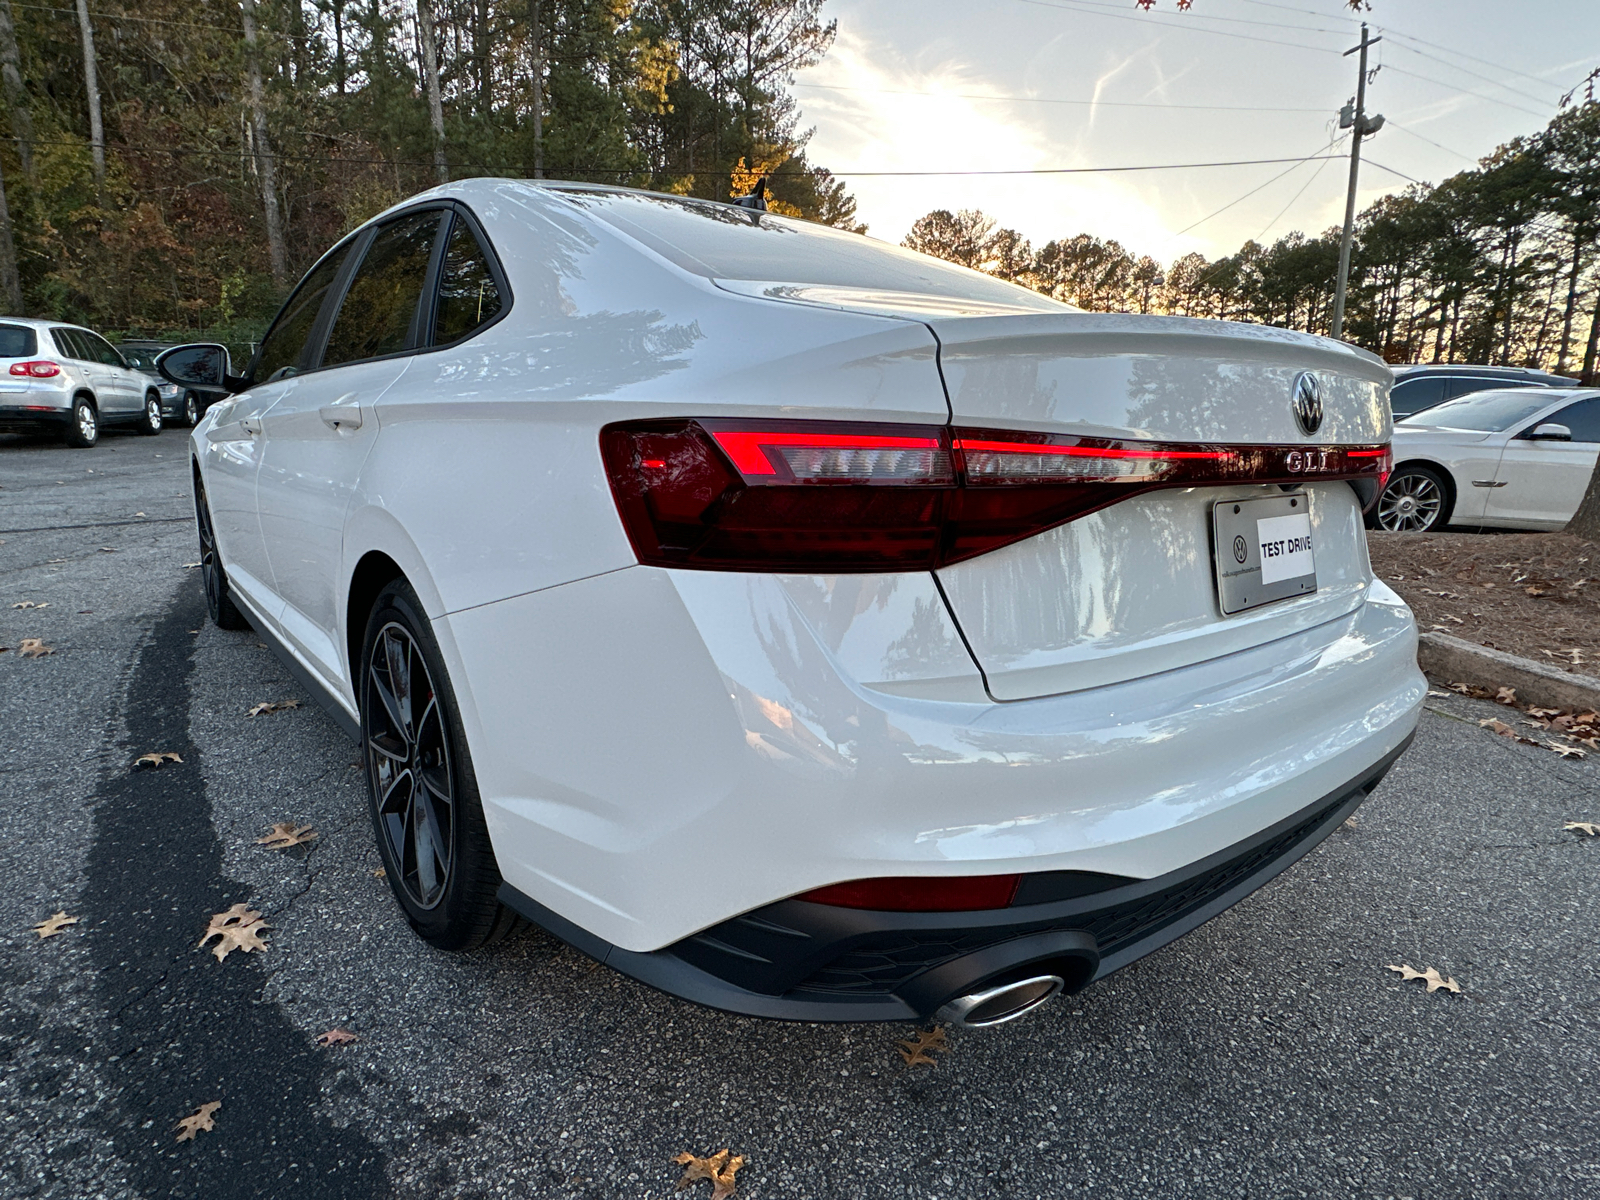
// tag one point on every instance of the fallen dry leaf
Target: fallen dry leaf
(1495, 725)
(239, 928)
(1588, 827)
(192, 566)
(380, 873)
(157, 758)
(718, 1168)
(1431, 977)
(1536, 711)
(1505, 695)
(31, 604)
(336, 1036)
(107, 550)
(201, 1119)
(54, 925)
(1436, 692)
(1476, 691)
(1565, 751)
(285, 834)
(920, 1049)
(1536, 591)
(272, 706)
(33, 648)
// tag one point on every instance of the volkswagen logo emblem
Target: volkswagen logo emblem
(1307, 401)
(1241, 550)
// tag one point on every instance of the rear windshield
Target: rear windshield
(1484, 412)
(726, 242)
(140, 359)
(17, 341)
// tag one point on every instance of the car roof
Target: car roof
(1480, 371)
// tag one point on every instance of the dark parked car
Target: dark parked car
(180, 406)
(1423, 385)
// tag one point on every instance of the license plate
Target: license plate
(1262, 549)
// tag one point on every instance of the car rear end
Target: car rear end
(36, 383)
(902, 714)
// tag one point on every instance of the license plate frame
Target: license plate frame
(1237, 550)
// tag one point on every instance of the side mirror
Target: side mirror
(204, 366)
(1550, 432)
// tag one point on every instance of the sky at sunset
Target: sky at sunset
(908, 86)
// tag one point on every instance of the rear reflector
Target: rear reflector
(959, 894)
(38, 368)
(847, 497)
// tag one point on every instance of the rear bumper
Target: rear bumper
(21, 418)
(800, 961)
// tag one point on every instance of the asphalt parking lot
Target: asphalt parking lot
(1268, 1054)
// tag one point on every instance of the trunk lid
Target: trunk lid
(1131, 590)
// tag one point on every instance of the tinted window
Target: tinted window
(18, 341)
(1465, 385)
(285, 342)
(467, 293)
(68, 345)
(103, 351)
(140, 360)
(1413, 395)
(1484, 412)
(1583, 418)
(375, 318)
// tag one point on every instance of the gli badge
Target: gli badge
(1307, 401)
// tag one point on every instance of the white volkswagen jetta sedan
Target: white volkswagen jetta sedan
(1516, 458)
(801, 625)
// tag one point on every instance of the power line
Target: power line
(839, 87)
(1464, 92)
(1468, 71)
(1315, 175)
(1319, 154)
(1064, 6)
(337, 159)
(1393, 124)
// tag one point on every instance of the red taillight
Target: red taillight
(39, 368)
(968, 893)
(836, 496)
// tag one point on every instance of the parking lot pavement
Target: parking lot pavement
(1268, 1054)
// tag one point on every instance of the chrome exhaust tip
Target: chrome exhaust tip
(997, 1005)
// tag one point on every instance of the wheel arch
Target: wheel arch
(374, 572)
(85, 393)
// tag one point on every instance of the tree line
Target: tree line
(1499, 264)
(172, 166)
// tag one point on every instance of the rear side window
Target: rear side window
(381, 303)
(1414, 395)
(69, 345)
(1465, 385)
(1583, 418)
(468, 295)
(18, 341)
(284, 346)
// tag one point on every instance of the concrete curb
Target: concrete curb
(1452, 660)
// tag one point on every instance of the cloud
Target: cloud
(885, 122)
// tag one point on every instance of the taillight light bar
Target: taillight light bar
(38, 368)
(774, 495)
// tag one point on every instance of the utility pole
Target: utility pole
(1357, 122)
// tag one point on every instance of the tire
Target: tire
(193, 410)
(84, 429)
(224, 612)
(149, 422)
(1415, 500)
(433, 839)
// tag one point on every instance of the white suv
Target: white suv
(64, 377)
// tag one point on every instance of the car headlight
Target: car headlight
(169, 391)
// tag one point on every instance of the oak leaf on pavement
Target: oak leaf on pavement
(719, 1168)
(272, 706)
(54, 925)
(920, 1049)
(337, 1036)
(155, 759)
(285, 834)
(239, 929)
(33, 648)
(201, 1119)
(1588, 827)
(1431, 977)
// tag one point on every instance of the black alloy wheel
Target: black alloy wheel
(224, 612)
(424, 800)
(150, 419)
(1415, 500)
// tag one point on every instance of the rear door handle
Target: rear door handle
(343, 413)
